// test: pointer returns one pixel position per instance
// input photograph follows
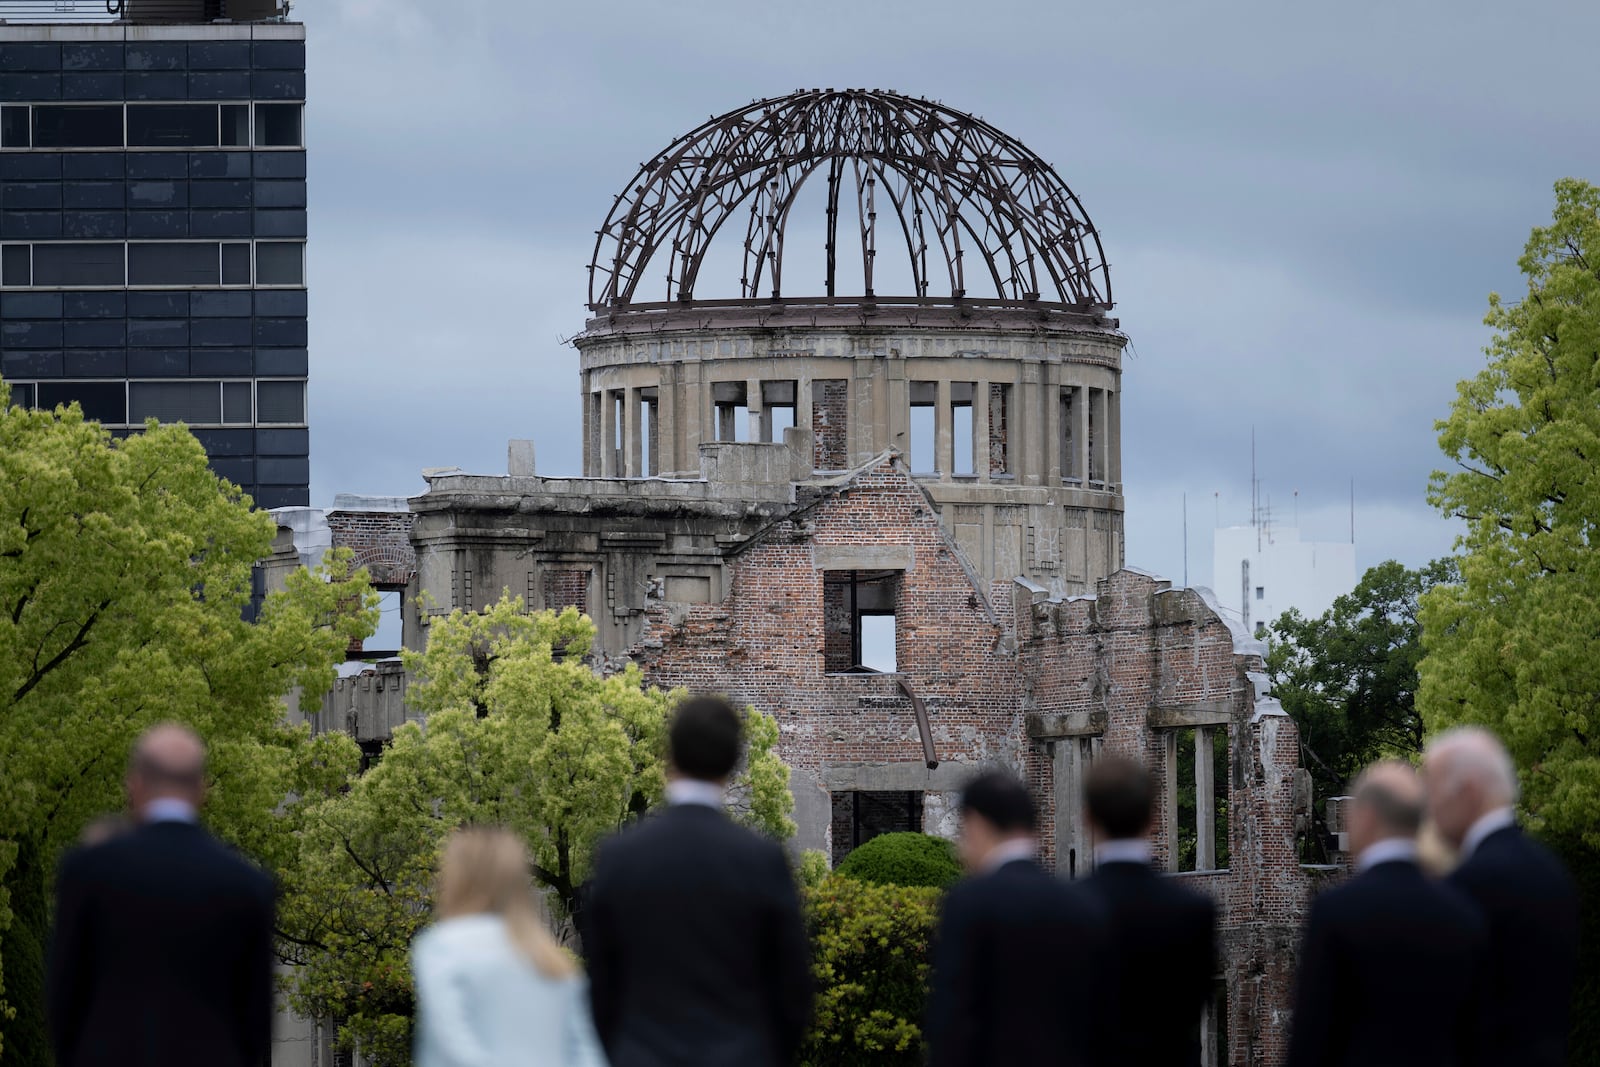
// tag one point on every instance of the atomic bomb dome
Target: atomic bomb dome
(862, 471)
(945, 182)
(959, 319)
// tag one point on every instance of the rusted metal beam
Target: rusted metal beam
(923, 727)
(938, 169)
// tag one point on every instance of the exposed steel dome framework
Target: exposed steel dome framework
(954, 184)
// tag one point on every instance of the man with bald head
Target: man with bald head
(1526, 897)
(162, 952)
(1392, 966)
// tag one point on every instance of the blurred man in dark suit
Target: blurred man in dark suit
(162, 952)
(1526, 896)
(1019, 960)
(1163, 936)
(1392, 968)
(697, 954)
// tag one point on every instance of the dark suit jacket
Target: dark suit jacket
(162, 954)
(696, 951)
(1531, 907)
(1391, 975)
(1163, 938)
(1018, 969)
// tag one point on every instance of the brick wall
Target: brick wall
(984, 660)
(829, 428)
(381, 541)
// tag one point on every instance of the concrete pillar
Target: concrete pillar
(666, 421)
(1052, 425)
(589, 431)
(756, 411)
(1204, 802)
(802, 410)
(1169, 795)
(1080, 432)
(608, 434)
(943, 420)
(1027, 431)
(1114, 437)
(980, 430)
(633, 434)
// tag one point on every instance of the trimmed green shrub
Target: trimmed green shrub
(904, 859)
(869, 946)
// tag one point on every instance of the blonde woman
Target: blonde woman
(493, 987)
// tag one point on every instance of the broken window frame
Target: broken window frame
(888, 580)
(1211, 815)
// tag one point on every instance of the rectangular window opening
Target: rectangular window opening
(15, 127)
(730, 400)
(173, 126)
(281, 402)
(961, 435)
(280, 263)
(924, 457)
(777, 409)
(78, 264)
(16, 265)
(105, 402)
(1070, 406)
(234, 123)
(1199, 827)
(278, 125)
(860, 635)
(860, 816)
(649, 433)
(21, 394)
(77, 126)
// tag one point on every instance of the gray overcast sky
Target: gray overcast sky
(1304, 211)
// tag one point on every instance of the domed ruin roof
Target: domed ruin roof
(977, 214)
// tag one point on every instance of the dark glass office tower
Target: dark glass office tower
(153, 227)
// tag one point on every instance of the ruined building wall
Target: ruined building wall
(765, 646)
(1127, 671)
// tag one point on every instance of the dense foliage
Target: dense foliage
(1513, 644)
(520, 732)
(908, 859)
(1348, 677)
(124, 572)
(869, 948)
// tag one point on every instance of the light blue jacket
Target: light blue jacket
(480, 1003)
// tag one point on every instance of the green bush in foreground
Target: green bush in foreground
(869, 946)
(904, 859)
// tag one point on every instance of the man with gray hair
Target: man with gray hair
(1526, 897)
(1392, 967)
(162, 953)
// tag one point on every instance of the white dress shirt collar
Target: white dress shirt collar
(1498, 819)
(1017, 848)
(1123, 850)
(1389, 850)
(170, 809)
(693, 791)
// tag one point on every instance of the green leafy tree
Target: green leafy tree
(124, 572)
(1513, 644)
(518, 731)
(1348, 677)
(870, 946)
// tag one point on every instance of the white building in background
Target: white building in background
(1259, 572)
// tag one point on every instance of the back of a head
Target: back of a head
(1001, 801)
(1391, 792)
(486, 870)
(1120, 797)
(704, 738)
(168, 760)
(1474, 754)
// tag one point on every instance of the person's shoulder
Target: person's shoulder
(462, 935)
(1511, 860)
